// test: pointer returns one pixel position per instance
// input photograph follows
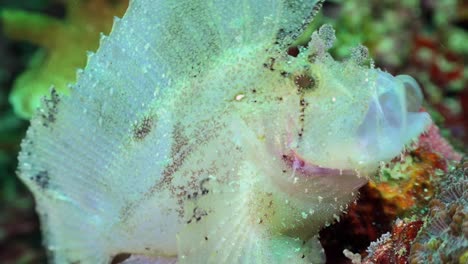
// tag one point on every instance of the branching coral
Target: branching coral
(64, 45)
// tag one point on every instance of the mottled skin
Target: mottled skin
(209, 143)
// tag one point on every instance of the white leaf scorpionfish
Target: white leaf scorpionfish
(193, 137)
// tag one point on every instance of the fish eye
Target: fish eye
(305, 81)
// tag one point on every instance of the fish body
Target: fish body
(192, 134)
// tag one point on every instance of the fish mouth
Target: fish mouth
(307, 169)
(307, 181)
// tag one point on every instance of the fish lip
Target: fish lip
(308, 169)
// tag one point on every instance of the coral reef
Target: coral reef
(363, 223)
(407, 184)
(393, 247)
(441, 237)
(404, 188)
(433, 142)
(64, 44)
(444, 236)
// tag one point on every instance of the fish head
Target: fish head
(349, 116)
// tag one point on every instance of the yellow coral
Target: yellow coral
(408, 185)
(63, 44)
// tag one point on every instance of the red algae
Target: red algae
(394, 247)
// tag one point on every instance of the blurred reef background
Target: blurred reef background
(407, 216)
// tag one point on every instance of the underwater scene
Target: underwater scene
(229, 131)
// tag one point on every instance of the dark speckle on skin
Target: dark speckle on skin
(270, 64)
(50, 108)
(197, 215)
(126, 211)
(302, 106)
(41, 179)
(312, 57)
(181, 149)
(193, 195)
(203, 188)
(143, 128)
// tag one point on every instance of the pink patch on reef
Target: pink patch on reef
(434, 142)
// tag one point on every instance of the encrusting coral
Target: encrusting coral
(439, 237)
(393, 247)
(410, 181)
(444, 236)
(403, 190)
(63, 46)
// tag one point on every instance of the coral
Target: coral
(444, 236)
(394, 247)
(408, 183)
(64, 44)
(432, 141)
(444, 68)
(364, 222)
(442, 74)
(405, 187)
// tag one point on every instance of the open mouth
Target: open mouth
(307, 169)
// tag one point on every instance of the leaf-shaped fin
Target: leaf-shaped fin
(230, 231)
(186, 33)
(89, 158)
